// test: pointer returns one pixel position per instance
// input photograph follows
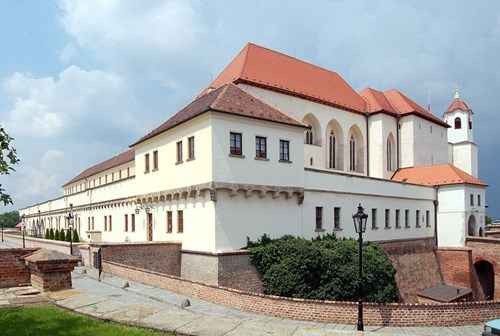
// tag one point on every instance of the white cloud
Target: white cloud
(51, 106)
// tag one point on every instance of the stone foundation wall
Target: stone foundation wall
(161, 257)
(416, 266)
(451, 314)
(13, 270)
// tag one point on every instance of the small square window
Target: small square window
(235, 144)
(260, 147)
(284, 150)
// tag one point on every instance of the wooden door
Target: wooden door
(150, 227)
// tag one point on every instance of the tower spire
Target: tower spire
(457, 94)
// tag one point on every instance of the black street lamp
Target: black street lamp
(39, 225)
(23, 229)
(359, 219)
(71, 218)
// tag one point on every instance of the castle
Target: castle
(280, 146)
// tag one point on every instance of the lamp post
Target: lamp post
(71, 218)
(2, 231)
(23, 229)
(359, 219)
(37, 233)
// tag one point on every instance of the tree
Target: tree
(8, 158)
(9, 219)
(56, 234)
(62, 236)
(51, 233)
(47, 234)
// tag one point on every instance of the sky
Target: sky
(81, 80)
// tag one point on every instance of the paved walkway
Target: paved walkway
(156, 308)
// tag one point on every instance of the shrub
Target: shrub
(56, 234)
(76, 238)
(51, 233)
(47, 234)
(324, 268)
(62, 235)
(69, 235)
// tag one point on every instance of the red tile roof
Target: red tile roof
(229, 99)
(115, 161)
(458, 104)
(396, 102)
(436, 175)
(275, 71)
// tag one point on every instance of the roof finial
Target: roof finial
(457, 94)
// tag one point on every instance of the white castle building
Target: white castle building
(279, 146)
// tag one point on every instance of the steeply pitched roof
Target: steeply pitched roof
(115, 161)
(275, 71)
(226, 99)
(458, 104)
(396, 102)
(437, 175)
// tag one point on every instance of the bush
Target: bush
(56, 235)
(76, 238)
(323, 268)
(69, 235)
(51, 233)
(47, 234)
(62, 235)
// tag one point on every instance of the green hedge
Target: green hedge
(323, 268)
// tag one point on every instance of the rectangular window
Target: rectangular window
(92, 222)
(235, 144)
(132, 222)
(478, 200)
(128, 171)
(428, 218)
(417, 218)
(180, 221)
(336, 218)
(387, 218)
(146, 163)
(398, 222)
(120, 174)
(126, 223)
(105, 223)
(260, 147)
(106, 178)
(100, 180)
(110, 226)
(88, 224)
(155, 160)
(179, 151)
(407, 218)
(284, 150)
(471, 200)
(191, 148)
(374, 219)
(169, 221)
(319, 218)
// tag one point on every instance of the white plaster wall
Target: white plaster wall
(247, 169)
(465, 157)
(381, 126)
(462, 134)
(298, 108)
(171, 175)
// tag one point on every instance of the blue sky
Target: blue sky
(80, 80)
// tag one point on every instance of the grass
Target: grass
(47, 320)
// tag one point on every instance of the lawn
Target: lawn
(46, 320)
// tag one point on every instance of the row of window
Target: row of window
(236, 147)
(374, 225)
(98, 181)
(179, 156)
(129, 226)
(472, 200)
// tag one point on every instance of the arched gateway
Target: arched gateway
(486, 275)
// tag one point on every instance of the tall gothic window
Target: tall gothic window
(389, 155)
(309, 137)
(458, 123)
(332, 154)
(352, 154)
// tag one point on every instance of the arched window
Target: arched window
(312, 134)
(389, 155)
(352, 154)
(332, 157)
(458, 123)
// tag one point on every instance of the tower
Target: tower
(463, 150)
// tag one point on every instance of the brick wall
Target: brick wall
(456, 266)
(450, 314)
(416, 266)
(13, 270)
(487, 249)
(159, 257)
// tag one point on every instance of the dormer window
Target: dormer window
(458, 123)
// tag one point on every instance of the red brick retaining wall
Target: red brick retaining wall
(13, 270)
(487, 249)
(449, 314)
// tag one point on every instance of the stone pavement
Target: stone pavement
(156, 308)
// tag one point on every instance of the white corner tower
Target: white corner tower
(462, 149)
